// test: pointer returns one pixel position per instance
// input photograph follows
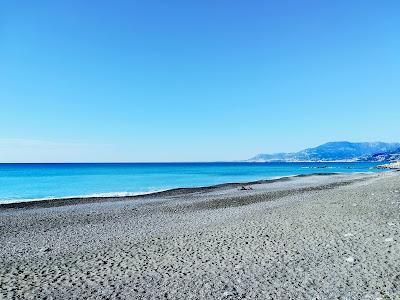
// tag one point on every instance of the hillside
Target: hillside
(336, 151)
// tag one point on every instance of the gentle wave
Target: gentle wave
(124, 194)
(36, 182)
(96, 195)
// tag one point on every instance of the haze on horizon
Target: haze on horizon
(194, 81)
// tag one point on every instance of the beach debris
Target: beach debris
(389, 239)
(244, 188)
(350, 259)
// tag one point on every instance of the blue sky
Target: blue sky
(194, 80)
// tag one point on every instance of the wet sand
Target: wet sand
(307, 237)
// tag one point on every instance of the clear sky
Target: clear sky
(194, 80)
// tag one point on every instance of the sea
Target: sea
(37, 181)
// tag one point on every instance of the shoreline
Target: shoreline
(64, 201)
(36, 185)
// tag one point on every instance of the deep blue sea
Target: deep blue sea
(19, 182)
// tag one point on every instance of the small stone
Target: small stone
(390, 239)
(348, 234)
(350, 259)
(391, 224)
(382, 296)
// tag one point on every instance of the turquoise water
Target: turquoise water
(19, 182)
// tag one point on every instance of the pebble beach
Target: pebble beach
(332, 236)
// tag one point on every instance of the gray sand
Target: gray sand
(312, 237)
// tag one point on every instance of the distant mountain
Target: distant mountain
(390, 156)
(333, 151)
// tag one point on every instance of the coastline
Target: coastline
(331, 236)
(41, 182)
(62, 201)
(392, 166)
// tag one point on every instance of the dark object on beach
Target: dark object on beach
(243, 188)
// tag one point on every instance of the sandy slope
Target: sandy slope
(318, 237)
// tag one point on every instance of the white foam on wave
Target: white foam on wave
(130, 194)
(96, 195)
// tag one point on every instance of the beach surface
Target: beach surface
(305, 237)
